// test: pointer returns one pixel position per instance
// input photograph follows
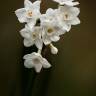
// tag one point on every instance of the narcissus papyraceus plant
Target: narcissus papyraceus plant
(52, 24)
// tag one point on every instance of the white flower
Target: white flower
(67, 2)
(51, 32)
(30, 13)
(67, 16)
(54, 50)
(32, 36)
(35, 60)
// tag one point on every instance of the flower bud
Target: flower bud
(54, 50)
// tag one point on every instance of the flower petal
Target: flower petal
(50, 12)
(66, 26)
(36, 55)
(75, 21)
(45, 63)
(20, 13)
(36, 5)
(28, 63)
(61, 32)
(70, 3)
(27, 4)
(38, 67)
(28, 43)
(67, 2)
(28, 56)
(24, 33)
(46, 40)
(39, 43)
(31, 22)
(76, 3)
(54, 38)
(74, 12)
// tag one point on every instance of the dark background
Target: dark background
(74, 68)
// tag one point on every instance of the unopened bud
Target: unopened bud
(54, 50)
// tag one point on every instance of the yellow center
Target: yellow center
(30, 13)
(50, 30)
(36, 61)
(34, 35)
(65, 16)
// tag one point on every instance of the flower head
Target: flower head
(30, 13)
(35, 60)
(67, 2)
(45, 28)
(68, 16)
(32, 36)
(51, 32)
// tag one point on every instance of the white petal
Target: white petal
(39, 43)
(54, 38)
(46, 40)
(24, 33)
(20, 13)
(35, 55)
(58, 1)
(45, 63)
(36, 5)
(27, 4)
(31, 22)
(28, 63)
(61, 32)
(38, 67)
(42, 18)
(28, 56)
(70, 3)
(74, 11)
(28, 43)
(66, 26)
(76, 3)
(75, 21)
(50, 12)
(67, 2)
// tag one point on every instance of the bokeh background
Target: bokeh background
(73, 71)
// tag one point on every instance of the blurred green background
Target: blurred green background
(73, 71)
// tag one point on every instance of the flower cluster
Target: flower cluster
(43, 29)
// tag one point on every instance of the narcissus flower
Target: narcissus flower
(35, 60)
(32, 36)
(68, 16)
(67, 2)
(30, 13)
(51, 31)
